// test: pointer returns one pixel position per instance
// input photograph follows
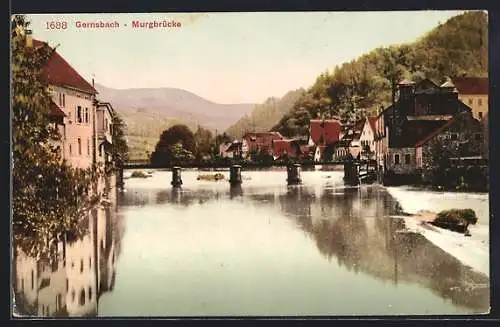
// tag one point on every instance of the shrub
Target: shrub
(138, 174)
(211, 177)
(456, 219)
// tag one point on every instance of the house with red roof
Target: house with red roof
(72, 108)
(473, 91)
(323, 134)
(261, 142)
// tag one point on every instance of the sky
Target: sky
(227, 57)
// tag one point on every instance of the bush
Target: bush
(211, 177)
(139, 174)
(457, 220)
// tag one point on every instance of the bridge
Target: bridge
(144, 164)
(355, 171)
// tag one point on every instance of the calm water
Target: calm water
(264, 249)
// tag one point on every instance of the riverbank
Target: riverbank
(471, 250)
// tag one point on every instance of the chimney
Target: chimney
(29, 38)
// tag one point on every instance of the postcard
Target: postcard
(260, 164)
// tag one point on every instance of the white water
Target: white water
(472, 251)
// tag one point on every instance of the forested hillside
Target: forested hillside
(367, 84)
(264, 116)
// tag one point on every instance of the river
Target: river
(265, 249)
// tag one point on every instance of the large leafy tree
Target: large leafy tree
(49, 196)
(177, 134)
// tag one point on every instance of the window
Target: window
(100, 151)
(480, 102)
(78, 114)
(470, 102)
(82, 297)
(70, 151)
(477, 136)
(79, 146)
(396, 159)
(90, 263)
(73, 295)
(60, 99)
(90, 293)
(86, 115)
(480, 114)
(63, 100)
(88, 147)
(67, 284)
(81, 265)
(454, 136)
(32, 279)
(407, 159)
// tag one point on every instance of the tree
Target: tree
(204, 143)
(177, 134)
(119, 149)
(181, 155)
(49, 197)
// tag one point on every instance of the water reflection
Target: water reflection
(71, 281)
(352, 227)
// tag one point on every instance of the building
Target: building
(286, 148)
(237, 149)
(323, 134)
(223, 153)
(261, 142)
(422, 112)
(380, 139)
(473, 91)
(349, 146)
(72, 109)
(367, 138)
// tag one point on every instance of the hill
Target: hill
(367, 84)
(265, 115)
(149, 111)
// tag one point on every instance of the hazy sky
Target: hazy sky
(228, 57)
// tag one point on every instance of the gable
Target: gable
(426, 86)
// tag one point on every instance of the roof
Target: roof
(325, 131)
(430, 117)
(428, 137)
(107, 105)
(416, 132)
(406, 82)
(471, 85)
(58, 71)
(55, 110)
(263, 134)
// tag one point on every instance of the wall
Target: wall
(74, 129)
(473, 101)
(403, 167)
(367, 137)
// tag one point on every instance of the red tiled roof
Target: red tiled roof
(59, 72)
(471, 85)
(325, 131)
(55, 111)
